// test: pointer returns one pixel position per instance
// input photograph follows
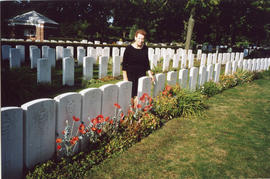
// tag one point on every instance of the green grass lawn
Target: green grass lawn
(231, 140)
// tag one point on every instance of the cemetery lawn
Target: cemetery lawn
(231, 140)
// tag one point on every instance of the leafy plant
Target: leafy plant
(210, 89)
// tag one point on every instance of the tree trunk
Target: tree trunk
(191, 23)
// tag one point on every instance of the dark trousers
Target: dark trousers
(134, 76)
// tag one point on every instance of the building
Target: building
(32, 25)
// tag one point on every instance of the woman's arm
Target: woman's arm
(125, 78)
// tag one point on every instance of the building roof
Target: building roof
(31, 18)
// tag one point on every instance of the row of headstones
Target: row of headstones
(68, 67)
(252, 65)
(28, 132)
(55, 41)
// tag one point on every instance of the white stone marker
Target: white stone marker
(172, 78)
(237, 55)
(176, 59)
(22, 52)
(68, 71)
(214, 58)
(245, 65)
(116, 66)
(109, 98)
(202, 76)
(232, 57)
(103, 67)
(106, 52)
(91, 108)
(34, 56)
(39, 131)
(209, 59)
(124, 95)
(217, 72)
(228, 68)
(99, 51)
(14, 58)
(59, 52)
(254, 65)
(191, 61)
(153, 61)
(67, 106)
(12, 142)
(199, 54)
(67, 52)
(249, 65)
(115, 51)
(159, 86)
(71, 50)
(193, 76)
(183, 78)
(51, 56)
(258, 64)
(234, 66)
(183, 60)
(80, 54)
(88, 63)
(219, 58)
(44, 50)
(5, 52)
(166, 63)
(209, 72)
(240, 64)
(122, 51)
(144, 86)
(203, 59)
(43, 71)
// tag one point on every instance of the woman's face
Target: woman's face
(139, 40)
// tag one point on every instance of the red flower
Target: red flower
(63, 132)
(117, 105)
(75, 118)
(168, 88)
(94, 121)
(150, 100)
(164, 92)
(139, 106)
(94, 129)
(59, 147)
(111, 121)
(58, 140)
(99, 131)
(107, 118)
(142, 99)
(82, 129)
(73, 142)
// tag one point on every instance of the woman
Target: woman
(136, 62)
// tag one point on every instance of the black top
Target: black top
(136, 59)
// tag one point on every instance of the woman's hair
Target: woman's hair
(140, 31)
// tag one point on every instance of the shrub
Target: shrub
(244, 76)
(227, 81)
(210, 89)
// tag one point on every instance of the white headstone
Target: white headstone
(258, 64)
(191, 61)
(115, 51)
(254, 65)
(249, 64)
(67, 105)
(39, 131)
(217, 72)
(103, 67)
(45, 49)
(209, 59)
(144, 86)
(232, 56)
(199, 54)
(203, 59)
(228, 68)
(51, 56)
(209, 72)
(71, 50)
(193, 76)
(88, 63)
(166, 63)
(153, 61)
(109, 98)
(68, 71)
(183, 78)
(183, 61)
(122, 50)
(234, 66)
(176, 59)
(219, 58)
(14, 58)
(43, 71)
(99, 51)
(202, 76)
(59, 52)
(245, 65)
(5, 52)
(22, 52)
(159, 86)
(12, 142)
(116, 66)
(93, 53)
(34, 56)
(240, 64)
(67, 52)
(80, 54)
(124, 95)
(106, 52)
(172, 78)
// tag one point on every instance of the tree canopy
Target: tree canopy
(216, 21)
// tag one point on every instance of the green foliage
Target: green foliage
(210, 89)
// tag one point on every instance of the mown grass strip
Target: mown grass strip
(231, 140)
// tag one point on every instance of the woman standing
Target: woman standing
(136, 62)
